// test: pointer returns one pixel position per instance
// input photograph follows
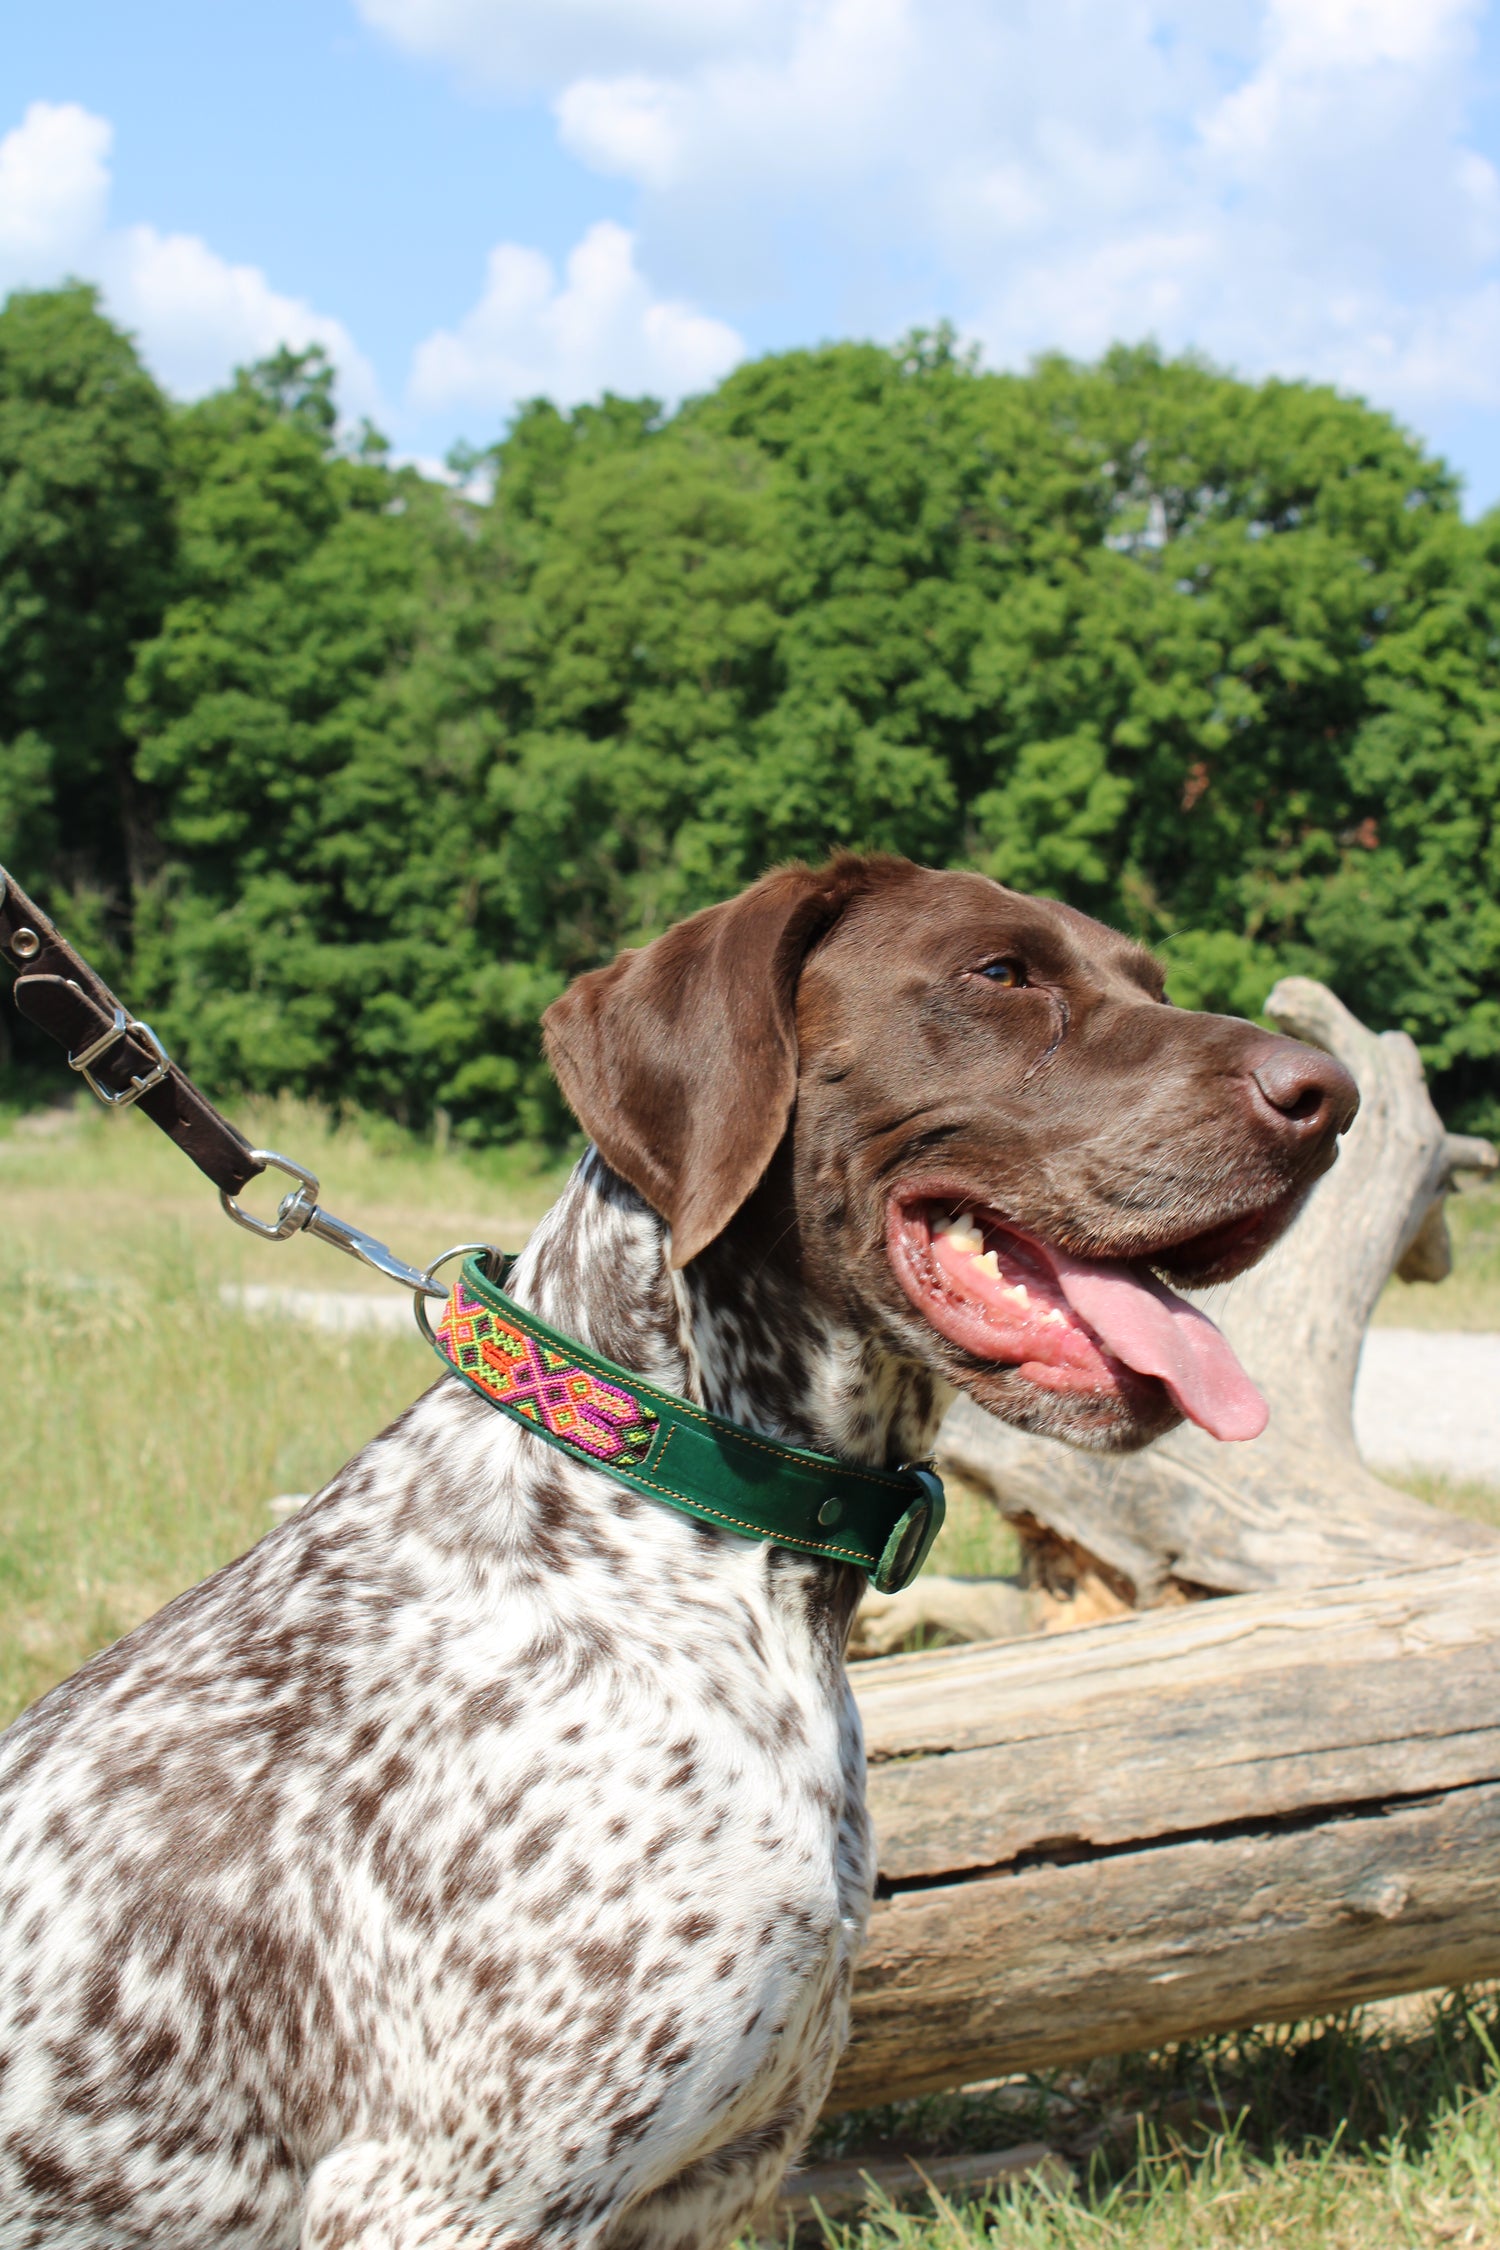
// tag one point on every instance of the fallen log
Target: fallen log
(1232, 1812)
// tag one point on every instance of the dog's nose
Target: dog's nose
(1304, 1089)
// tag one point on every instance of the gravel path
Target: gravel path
(340, 1310)
(1430, 1398)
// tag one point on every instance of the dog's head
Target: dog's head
(984, 1133)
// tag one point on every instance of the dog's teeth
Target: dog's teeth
(960, 1230)
(988, 1263)
(1019, 1293)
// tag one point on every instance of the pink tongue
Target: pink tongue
(1158, 1333)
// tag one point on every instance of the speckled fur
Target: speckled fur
(481, 1859)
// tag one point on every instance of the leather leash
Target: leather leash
(121, 1060)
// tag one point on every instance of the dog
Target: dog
(481, 1860)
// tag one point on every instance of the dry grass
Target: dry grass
(147, 1425)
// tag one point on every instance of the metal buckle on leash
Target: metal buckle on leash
(122, 1028)
(294, 1210)
(299, 1213)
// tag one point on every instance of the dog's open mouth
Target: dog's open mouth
(1068, 1324)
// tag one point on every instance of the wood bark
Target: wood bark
(1220, 1814)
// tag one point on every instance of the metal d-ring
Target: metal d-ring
(431, 1289)
(911, 1541)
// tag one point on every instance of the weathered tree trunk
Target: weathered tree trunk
(1220, 1814)
(1298, 1507)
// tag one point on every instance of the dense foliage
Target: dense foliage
(86, 543)
(1215, 661)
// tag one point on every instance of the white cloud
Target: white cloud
(1346, 34)
(599, 328)
(624, 125)
(196, 315)
(1286, 184)
(520, 46)
(54, 187)
(811, 110)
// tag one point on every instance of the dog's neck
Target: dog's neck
(732, 1331)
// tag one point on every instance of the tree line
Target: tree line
(343, 773)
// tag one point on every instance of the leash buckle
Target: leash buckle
(123, 1027)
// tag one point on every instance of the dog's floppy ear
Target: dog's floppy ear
(680, 1059)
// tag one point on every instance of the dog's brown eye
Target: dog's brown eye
(1004, 972)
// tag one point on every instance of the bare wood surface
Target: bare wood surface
(843, 2191)
(1297, 1507)
(1212, 1815)
(962, 1609)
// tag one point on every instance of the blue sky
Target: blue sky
(469, 201)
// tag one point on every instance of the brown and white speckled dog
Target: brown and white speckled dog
(482, 1858)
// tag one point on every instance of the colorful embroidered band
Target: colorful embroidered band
(883, 1521)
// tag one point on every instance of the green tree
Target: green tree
(1265, 699)
(1207, 658)
(1211, 659)
(86, 547)
(308, 729)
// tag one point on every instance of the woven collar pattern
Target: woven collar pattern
(543, 1385)
(882, 1521)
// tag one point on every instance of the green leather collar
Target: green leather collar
(883, 1521)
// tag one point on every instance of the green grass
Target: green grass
(1368, 2130)
(1461, 1496)
(975, 1541)
(147, 1426)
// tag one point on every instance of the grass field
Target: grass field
(148, 1426)
(1365, 2132)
